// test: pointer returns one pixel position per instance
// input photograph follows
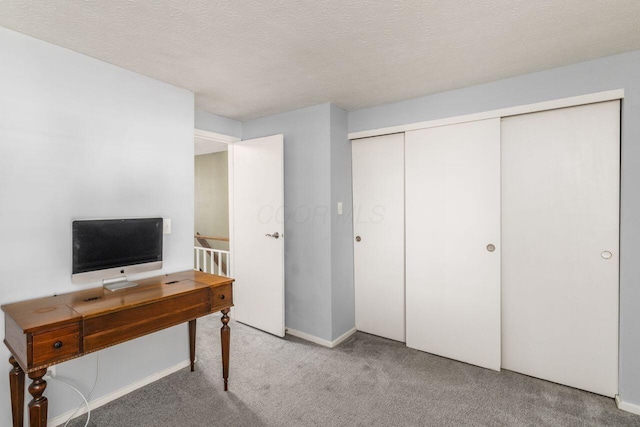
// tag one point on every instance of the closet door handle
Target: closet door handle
(358, 238)
(606, 254)
(491, 247)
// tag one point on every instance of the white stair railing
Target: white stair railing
(214, 261)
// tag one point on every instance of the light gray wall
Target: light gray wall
(307, 228)
(218, 124)
(319, 297)
(342, 291)
(614, 72)
(212, 197)
(80, 138)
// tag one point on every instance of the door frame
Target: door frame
(216, 139)
(573, 101)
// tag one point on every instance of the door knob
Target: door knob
(274, 235)
(491, 247)
(606, 254)
(358, 238)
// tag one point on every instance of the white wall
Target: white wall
(80, 138)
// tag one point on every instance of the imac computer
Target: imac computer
(109, 249)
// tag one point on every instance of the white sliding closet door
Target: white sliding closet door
(453, 241)
(378, 224)
(560, 237)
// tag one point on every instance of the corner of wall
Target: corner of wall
(214, 123)
(342, 292)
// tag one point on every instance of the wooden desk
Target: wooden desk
(45, 331)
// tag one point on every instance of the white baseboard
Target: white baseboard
(61, 419)
(343, 337)
(626, 406)
(321, 341)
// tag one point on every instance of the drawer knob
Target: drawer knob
(221, 296)
(57, 344)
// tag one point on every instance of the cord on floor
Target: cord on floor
(95, 381)
(80, 394)
(84, 399)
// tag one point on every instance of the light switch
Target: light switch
(166, 226)
(339, 208)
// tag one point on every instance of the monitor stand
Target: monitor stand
(117, 283)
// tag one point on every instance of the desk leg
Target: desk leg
(38, 406)
(16, 381)
(225, 338)
(192, 343)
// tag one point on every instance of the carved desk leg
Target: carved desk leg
(38, 406)
(192, 343)
(225, 338)
(16, 381)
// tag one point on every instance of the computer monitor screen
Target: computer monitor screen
(103, 248)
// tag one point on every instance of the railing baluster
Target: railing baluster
(209, 265)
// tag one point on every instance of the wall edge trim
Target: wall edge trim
(321, 341)
(572, 101)
(214, 136)
(626, 406)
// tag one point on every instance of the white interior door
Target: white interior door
(560, 238)
(453, 241)
(256, 182)
(378, 224)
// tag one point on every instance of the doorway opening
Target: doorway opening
(211, 211)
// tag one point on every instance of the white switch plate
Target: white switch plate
(339, 208)
(166, 226)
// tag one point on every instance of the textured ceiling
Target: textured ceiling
(246, 59)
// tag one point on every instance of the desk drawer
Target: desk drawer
(56, 345)
(134, 322)
(222, 296)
